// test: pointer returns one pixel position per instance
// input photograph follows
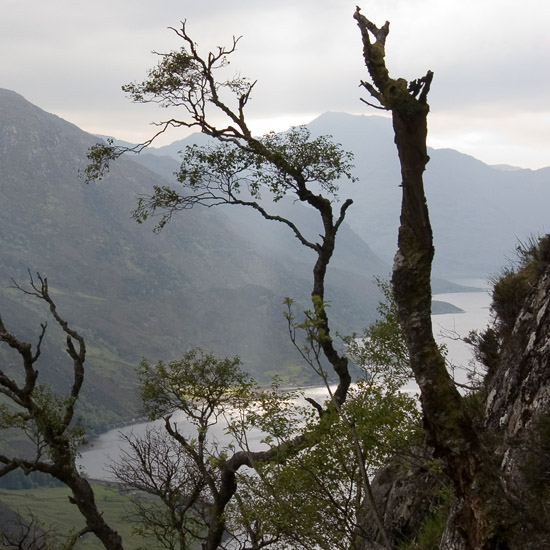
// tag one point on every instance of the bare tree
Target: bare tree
(49, 419)
(168, 490)
(27, 533)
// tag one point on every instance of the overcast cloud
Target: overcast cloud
(489, 97)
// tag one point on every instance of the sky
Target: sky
(491, 60)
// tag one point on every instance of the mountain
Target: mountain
(203, 281)
(478, 212)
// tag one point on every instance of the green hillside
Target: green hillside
(55, 511)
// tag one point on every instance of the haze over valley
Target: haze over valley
(217, 278)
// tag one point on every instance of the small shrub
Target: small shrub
(533, 255)
(433, 527)
(512, 287)
(486, 346)
(509, 293)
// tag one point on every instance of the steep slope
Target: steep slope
(511, 408)
(202, 281)
(517, 413)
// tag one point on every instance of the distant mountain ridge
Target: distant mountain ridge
(478, 211)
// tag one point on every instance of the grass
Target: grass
(52, 507)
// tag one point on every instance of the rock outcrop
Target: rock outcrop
(512, 413)
(518, 416)
(515, 418)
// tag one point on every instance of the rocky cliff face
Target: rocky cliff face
(518, 415)
(519, 391)
(512, 410)
(515, 417)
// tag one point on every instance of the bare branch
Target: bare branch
(391, 93)
(47, 419)
(316, 405)
(285, 221)
(30, 534)
(381, 108)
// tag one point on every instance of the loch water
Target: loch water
(448, 329)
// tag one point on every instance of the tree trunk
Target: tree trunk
(83, 497)
(449, 428)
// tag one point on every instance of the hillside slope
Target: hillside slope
(203, 281)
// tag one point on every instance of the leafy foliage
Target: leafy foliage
(199, 384)
(513, 285)
(99, 157)
(276, 413)
(305, 489)
(228, 173)
(185, 466)
(486, 344)
(310, 499)
(313, 331)
(182, 77)
(381, 350)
